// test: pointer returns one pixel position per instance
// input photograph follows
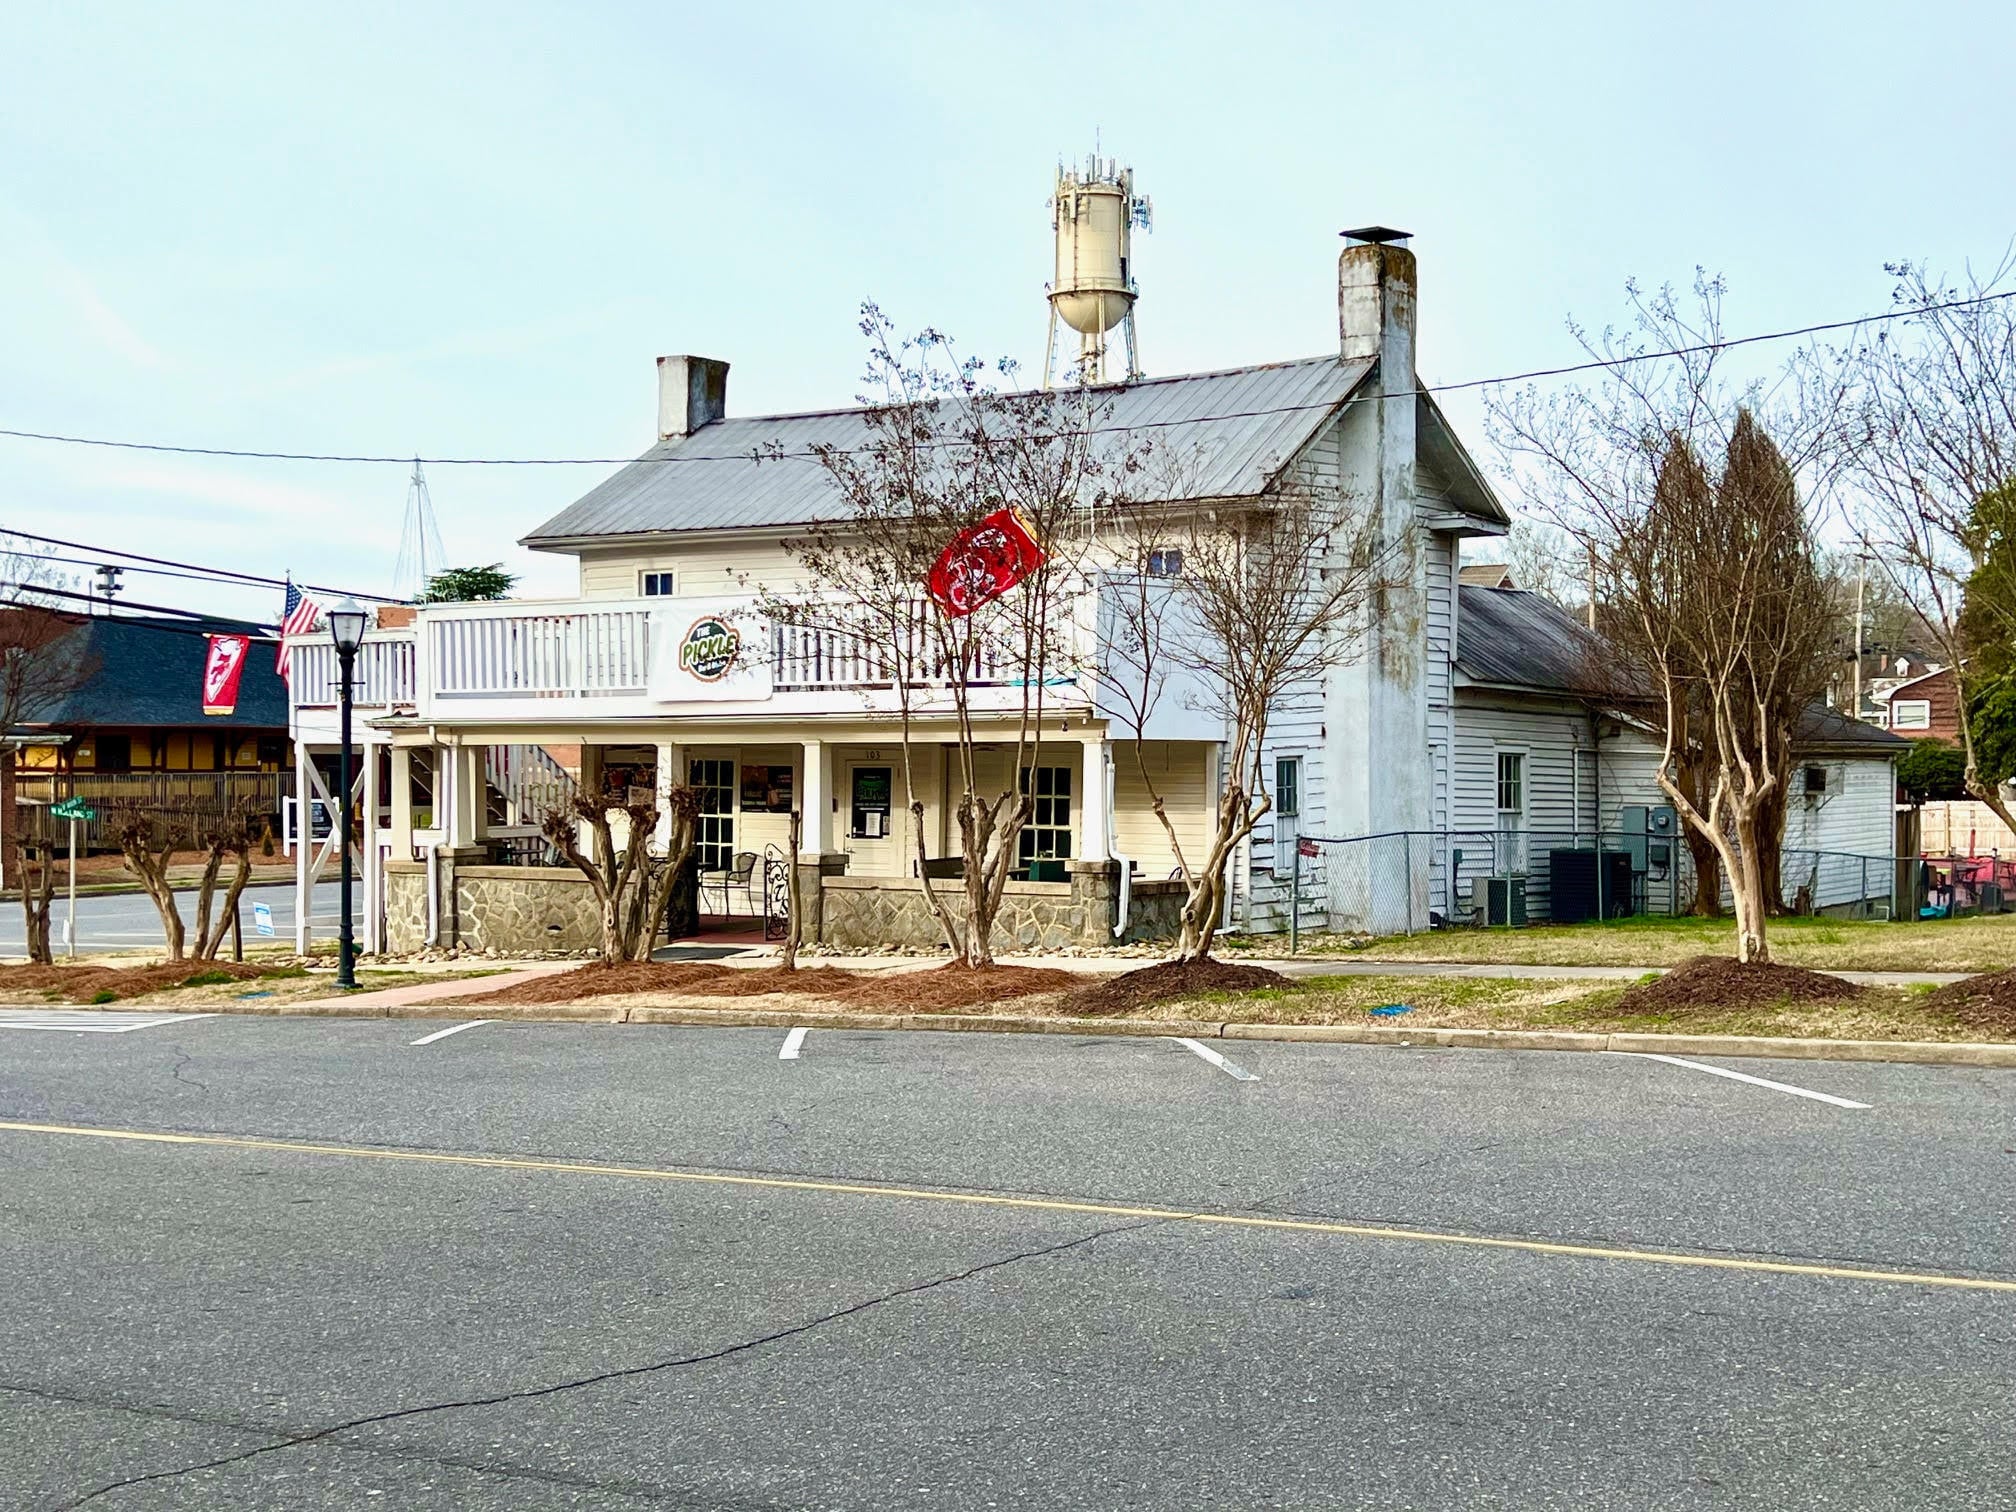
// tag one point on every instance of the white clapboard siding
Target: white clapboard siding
(1830, 832)
(1440, 670)
(1557, 797)
(701, 568)
(1180, 770)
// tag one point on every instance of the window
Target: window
(1047, 836)
(1511, 811)
(115, 753)
(656, 584)
(1165, 563)
(1288, 786)
(1911, 714)
(713, 783)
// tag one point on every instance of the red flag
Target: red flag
(983, 562)
(221, 670)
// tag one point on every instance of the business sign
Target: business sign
(708, 651)
(222, 669)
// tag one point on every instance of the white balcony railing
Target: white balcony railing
(487, 661)
(500, 654)
(383, 674)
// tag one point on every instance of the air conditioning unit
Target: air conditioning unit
(1505, 900)
(1993, 900)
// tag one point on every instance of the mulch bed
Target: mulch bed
(85, 984)
(1982, 1002)
(1707, 984)
(943, 989)
(1165, 982)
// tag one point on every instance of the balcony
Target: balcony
(645, 658)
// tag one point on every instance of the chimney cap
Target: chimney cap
(1376, 235)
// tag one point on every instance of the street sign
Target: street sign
(262, 919)
(73, 808)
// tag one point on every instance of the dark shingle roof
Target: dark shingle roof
(1513, 639)
(150, 672)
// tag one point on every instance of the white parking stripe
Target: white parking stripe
(83, 1021)
(1755, 1081)
(1230, 1068)
(441, 1034)
(791, 1043)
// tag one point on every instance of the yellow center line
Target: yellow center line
(1034, 1204)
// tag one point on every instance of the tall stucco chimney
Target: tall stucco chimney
(692, 392)
(1376, 290)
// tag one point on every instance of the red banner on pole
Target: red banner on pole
(983, 562)
(222, 669)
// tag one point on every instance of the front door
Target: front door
(870, 820)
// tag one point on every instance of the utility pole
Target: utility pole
(1861, 583)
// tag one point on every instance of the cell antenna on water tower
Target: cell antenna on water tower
(1094, 215)
(420, 553)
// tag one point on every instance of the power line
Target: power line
(235, 627)
(220, 573)
(1601, 364)
(238, 626)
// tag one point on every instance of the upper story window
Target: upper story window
(655, 584)
(1165, 563)
(1910, 714)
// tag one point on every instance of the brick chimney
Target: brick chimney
(692, 392)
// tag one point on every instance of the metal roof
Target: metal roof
(1518, 639)
(1510, 638)
(1237, 427)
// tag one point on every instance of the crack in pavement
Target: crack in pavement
(184, 1058)
(631, 1372)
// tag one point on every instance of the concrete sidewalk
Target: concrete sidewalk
(388, 998)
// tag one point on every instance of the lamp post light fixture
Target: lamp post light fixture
(346, 629)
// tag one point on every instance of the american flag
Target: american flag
(302, 612)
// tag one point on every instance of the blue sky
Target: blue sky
(470, 229)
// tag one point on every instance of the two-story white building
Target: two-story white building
(464, 703)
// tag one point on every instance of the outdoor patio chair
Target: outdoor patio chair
(737, 876)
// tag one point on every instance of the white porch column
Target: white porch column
(671, 774)
(1093, 819)
(401, 836)
(814, 785)
(374, 855)
(463, 820)
(304, 840)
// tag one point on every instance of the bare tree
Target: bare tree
(148, 839)
(941, 454)
(1267, 600)
(1707, 561)
(633, 888)
(794, 893)
(220, 837)
(42, 662)
(1930, 434)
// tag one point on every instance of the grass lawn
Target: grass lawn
(1980, 944)
(1499, 1003)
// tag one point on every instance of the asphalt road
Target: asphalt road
(550, 1266)
(127, 921)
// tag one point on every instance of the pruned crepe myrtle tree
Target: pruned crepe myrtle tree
(632, 887)
(1269, 599)
(149, 837)
(1930, 441)
(941, 447)
(1706, 556)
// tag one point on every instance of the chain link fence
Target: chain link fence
(1405, 881)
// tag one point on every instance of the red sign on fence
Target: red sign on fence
(983, 562)
(222, 669)
(1306, 848)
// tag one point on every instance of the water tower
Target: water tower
(1094, 215)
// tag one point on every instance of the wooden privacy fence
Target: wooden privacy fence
(201, 793)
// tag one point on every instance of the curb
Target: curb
(1910, 1052)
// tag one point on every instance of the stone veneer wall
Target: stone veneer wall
(864, 912)
(505, 908)
(1154, 911)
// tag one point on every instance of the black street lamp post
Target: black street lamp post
(346, 629)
